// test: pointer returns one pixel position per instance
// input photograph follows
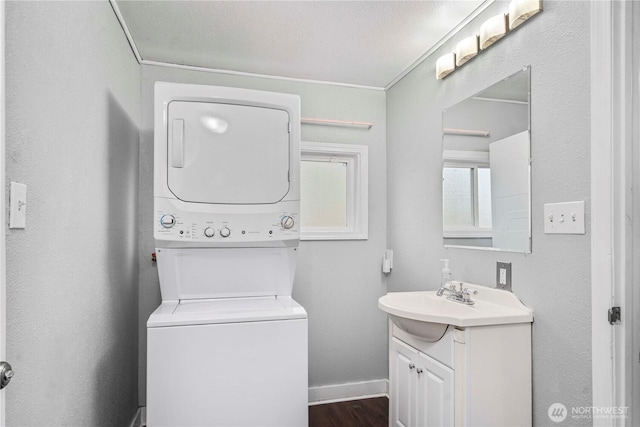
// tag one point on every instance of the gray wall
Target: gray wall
(337, 282)
(500, 119)
(555, 279)
(73, 102)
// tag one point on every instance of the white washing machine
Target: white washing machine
(228, 345)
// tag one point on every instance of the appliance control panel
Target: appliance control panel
(207, 228)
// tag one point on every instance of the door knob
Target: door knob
(6, 373)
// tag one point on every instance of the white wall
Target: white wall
(337, 282)
(555, 279)
(73, 101)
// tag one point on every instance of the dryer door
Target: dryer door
(224, 153)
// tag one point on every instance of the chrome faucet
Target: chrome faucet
(461, 295)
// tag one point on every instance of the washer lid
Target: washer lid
(227, 153)
(225, 310)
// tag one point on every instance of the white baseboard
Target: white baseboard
(348, 391)
(317, 395)
(140, 418)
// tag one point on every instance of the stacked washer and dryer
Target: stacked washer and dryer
(228, 344)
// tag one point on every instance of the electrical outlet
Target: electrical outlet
(503, 276)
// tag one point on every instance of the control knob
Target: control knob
(167, 221)
(287, 222)
(225, 232)
(209, 232)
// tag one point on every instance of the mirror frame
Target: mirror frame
(527, 69)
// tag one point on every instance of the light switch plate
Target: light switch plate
(564, 218)
(18, 205)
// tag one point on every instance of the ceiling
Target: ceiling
(364, 43)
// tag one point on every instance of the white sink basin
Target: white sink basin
(428, 315)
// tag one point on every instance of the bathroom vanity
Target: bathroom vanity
(456, 364)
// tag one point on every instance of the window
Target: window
(466, 189)
(333, 191)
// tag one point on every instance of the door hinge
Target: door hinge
(289, 127)
(614, 315)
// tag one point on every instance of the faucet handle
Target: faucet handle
(466, 294)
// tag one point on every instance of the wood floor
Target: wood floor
(372, 412)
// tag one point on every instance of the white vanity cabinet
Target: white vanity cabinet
(422, 388)
(472, 376)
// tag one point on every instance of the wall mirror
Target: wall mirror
(486, 186)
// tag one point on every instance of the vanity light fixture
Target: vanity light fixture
(493, 30)
(466, 49)
(445, 65)
(521, 10)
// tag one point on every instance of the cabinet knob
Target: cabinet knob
(419, 371)
(411, 366)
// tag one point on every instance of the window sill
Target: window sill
(466, 232)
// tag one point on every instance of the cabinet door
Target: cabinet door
(227, 153)
(402, 360)
(434, 392)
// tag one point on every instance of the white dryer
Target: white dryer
(228, 344)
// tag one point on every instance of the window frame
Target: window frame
(356, 159)
(472, 160)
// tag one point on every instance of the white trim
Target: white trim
(622, 137)
(317, 396)
(356, 158)
(256, 75)
(480, 158)
(486, 248)
(466, 232)
(610, 133)
(127, 33)
(139, 418)
(601, 251)
(3, 222)
(454, 31)
(633, 296)
(601, 203)
(348, 391)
